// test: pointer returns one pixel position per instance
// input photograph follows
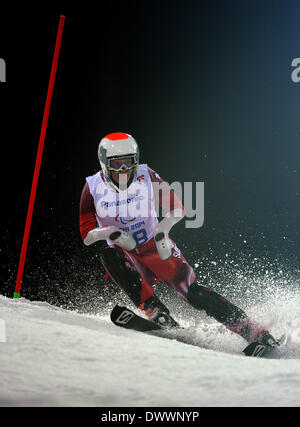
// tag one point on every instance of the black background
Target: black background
(206, 90)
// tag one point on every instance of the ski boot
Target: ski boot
(158, 313)
(264, 337)
(264, 344)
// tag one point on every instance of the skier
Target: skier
(117, 208)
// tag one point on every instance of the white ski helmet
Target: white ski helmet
(117, 145)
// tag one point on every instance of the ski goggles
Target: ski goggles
(122, 164)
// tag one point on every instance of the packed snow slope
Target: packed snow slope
(55, 357)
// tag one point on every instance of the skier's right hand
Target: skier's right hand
(112, 233)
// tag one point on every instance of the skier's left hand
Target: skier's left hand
(161, 233)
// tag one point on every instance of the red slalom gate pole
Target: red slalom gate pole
(39, 156)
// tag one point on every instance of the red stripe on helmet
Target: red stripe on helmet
(117, 135)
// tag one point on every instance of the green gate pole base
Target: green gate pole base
(16, 294)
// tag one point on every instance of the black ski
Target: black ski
(257, 349)
(122, 316)
(125, 318)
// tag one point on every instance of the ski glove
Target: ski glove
(161, 233)
(117, 236)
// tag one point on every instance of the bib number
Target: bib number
(140, 237)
